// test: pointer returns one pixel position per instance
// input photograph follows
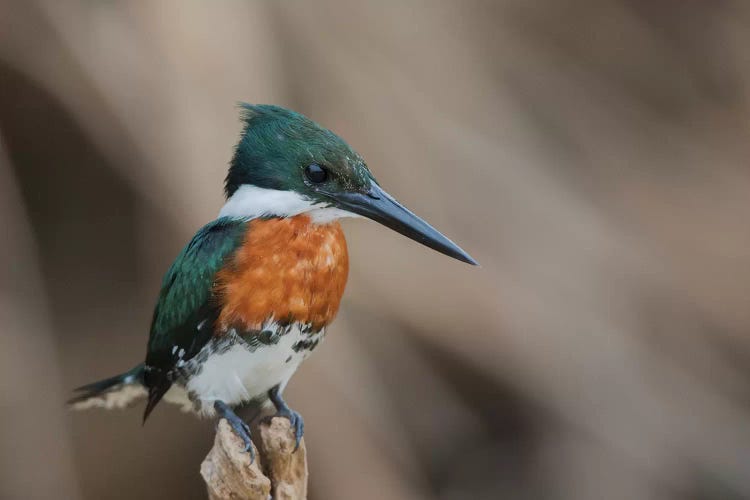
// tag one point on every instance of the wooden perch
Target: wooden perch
(278, 472)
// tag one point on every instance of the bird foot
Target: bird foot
(298, 423)
(240, 428)
(283, 410)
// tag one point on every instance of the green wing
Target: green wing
(186, 311)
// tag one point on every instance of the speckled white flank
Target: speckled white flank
(241, 374)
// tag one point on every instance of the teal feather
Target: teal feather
(187, 300)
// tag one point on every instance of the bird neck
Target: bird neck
(251, 202)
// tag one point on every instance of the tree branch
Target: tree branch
(277, 471)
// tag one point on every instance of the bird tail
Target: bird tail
(119, 391)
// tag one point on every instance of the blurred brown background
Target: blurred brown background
(592, 155)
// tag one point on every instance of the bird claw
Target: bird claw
(298, 424)
(240, 428)
(283, 410)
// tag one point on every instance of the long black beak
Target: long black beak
(379, 206)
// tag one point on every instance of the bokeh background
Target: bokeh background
(591, 154)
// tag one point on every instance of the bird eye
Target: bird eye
(315, 173)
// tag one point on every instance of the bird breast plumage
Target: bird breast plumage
(277, 293)
(287, 269)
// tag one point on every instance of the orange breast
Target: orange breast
(288, 269)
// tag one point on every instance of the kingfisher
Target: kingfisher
(251, 295)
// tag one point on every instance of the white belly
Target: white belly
(241, 374)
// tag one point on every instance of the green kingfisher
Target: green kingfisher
(250, 296)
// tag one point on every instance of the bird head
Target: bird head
(285, 165)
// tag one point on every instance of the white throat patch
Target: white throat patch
(251, 202)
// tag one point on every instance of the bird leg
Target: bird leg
(283, 410)
(238, 426)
